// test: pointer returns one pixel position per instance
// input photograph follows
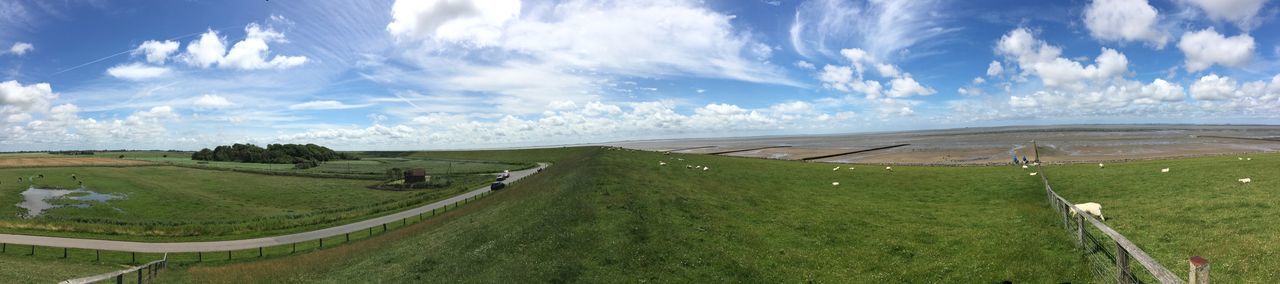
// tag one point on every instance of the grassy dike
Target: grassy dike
(616, 216)
(1197, 208)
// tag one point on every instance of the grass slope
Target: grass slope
(616, 216)
(1198, 208)
(24, 269)
(174, 203)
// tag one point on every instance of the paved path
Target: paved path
(212, 246)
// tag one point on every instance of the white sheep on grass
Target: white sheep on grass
(835, 169)
(661, 163)
(1100, 165)
(1245, 180)
(1092, 208)
(1033, 173)
(835, 183)
(888, 168)
(1164, 170)
(706, 168)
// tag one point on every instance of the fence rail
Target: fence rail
(1117, 250)
(150, 270)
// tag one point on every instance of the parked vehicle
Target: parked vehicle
(497, 185)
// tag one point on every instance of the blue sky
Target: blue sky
(497, 73)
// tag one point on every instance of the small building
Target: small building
(415, 175)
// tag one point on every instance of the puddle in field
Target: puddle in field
(37, 200)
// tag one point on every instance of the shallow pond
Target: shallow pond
(37, 200)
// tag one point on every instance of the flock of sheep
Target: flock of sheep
(1092, 208)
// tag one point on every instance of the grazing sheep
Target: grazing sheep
(1100, 165)
(888, 168)
(688, 166)
(1246, 180)
(661, 163)
(1024, 166)
(1240, 158)
(1033, 173)
(835, 169)
(706, 168)
(1164, 170)
(835, 183)
(1092, 208)
(1248, 159)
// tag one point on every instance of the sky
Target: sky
(467, 74)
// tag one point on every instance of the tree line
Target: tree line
(273, 154)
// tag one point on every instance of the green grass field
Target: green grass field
(24, 269)
(368, 167)
(609, 216)
(176, 203)
(1198, 208)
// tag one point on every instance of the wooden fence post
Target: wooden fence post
(199, 256)
(1199, 271)
(1123, 275)
(139, 276)
(4, 247)
(64, 252)
(97, 255)
(295, 248)
(259, 251)
(321, 242)
(1080, 231)
(120, 279)
(33, 250)
(135, 257)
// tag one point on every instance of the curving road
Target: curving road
(212, 246)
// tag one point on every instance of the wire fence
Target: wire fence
(1107, 252)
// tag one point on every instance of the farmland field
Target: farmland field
(368, 167)
(602, 216)
(175, 203)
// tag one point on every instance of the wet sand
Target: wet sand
(995, 145)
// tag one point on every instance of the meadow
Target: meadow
(370, 166)
(1197, 208)
(168, 203)
(607, 216)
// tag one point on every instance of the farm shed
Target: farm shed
(415, 175)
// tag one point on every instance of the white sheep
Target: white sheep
(1248, 159)
(1100, 165)
(706, 168)
(1240, 158)
(835, 183)
(1092, 208)
(1164, 170)
(1245, 180)
(661, 163)
(1024, 167)
(835, 169)
(1033, 173)
(888, 168)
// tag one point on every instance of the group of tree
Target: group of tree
(309, 154)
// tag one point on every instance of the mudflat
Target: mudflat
(996, 145)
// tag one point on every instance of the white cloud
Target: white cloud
(1240, 12)
(212, 101)
(805, 65)
(474, 22)
(251, 53)
(1206, 47)
(994, 69)
(885, 29)
(205, 51)
(907, 87)
(1125, 20)
(979, 80)
(137, 71)
(1161, 90)
(156, 51)
(20, 48)
(1043, 60)
(323, 105)
(1213, 87)
(18, 101)
(248, 54)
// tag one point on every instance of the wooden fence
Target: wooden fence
(149, 270)
(1111, 255)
